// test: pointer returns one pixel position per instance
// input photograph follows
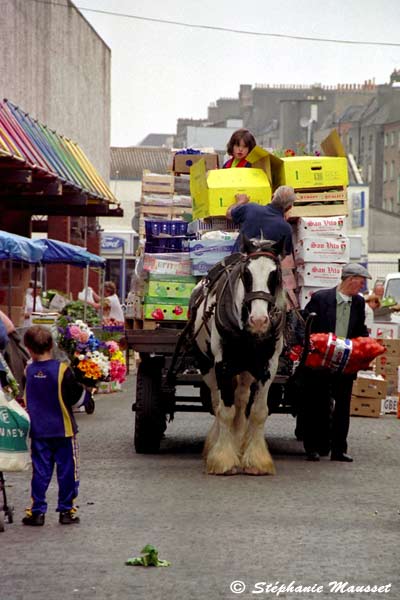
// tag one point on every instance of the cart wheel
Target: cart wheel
(1, 521)
(150, 419)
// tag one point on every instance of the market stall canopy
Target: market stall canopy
(48, 172)
(55, 251)
(17, 247)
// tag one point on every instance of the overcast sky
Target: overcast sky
(161, 72)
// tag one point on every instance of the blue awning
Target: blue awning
(18, 247)
(55, 251)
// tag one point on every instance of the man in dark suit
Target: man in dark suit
(340, 310)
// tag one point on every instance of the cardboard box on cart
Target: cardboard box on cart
(184, 162)
(214, 191)
(320, 181)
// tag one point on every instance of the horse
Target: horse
(238, 318)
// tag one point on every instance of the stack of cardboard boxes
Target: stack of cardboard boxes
(164, 265)
(320, 250)
(367, 395)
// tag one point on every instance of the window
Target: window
(370, 142)
(385, 171)
(392, 170)
(386, 140)
(392, 138)
(391, 204)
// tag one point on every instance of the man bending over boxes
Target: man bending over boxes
(268, 222)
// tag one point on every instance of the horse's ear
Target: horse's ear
(245, 245)
(279, 248)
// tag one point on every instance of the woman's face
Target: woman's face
(240, 150)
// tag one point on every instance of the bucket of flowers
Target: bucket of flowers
(92, 360)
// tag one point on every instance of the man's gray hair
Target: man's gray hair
(284, 197)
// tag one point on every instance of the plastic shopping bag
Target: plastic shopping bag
(14, 431)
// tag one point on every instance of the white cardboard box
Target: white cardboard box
(385, 330)
(322, 249)
(310, 226)
(319, 274)
(305, 294)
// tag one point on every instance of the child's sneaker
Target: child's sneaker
(35, 519)
(68, 517)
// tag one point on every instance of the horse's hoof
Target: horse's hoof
(255, 471)
(232, 471)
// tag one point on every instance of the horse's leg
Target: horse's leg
(242, 396)
(211, 381)
(221, 453)
(256, 459)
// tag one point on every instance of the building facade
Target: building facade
(54, 66)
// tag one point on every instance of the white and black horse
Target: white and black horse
(238, 318)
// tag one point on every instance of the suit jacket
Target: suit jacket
(323, 303)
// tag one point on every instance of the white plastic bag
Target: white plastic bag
(14, 431)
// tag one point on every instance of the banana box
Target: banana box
(214, 191)
(315, 172)
(169, 286)
(165, 309)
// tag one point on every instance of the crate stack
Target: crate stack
(159, 201)
(321, 247)
(368, 393)
(163, 281)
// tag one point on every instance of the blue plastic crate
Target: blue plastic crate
(154, 228)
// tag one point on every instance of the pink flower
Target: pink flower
(117, 371)
(112, 346)
(75, 332)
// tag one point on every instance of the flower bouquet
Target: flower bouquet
(92, 361)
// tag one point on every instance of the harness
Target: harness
(226, 318)
(222, 280)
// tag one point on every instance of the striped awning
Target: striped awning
(42, 156)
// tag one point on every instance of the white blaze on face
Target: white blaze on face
(260, 269)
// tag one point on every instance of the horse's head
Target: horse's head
(262, 297)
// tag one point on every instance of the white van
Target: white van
(392, 286)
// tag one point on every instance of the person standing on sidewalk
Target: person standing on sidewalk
(51, 391)
(339, 310)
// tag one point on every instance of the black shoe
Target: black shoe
(324, 451)
(341, 457)
(68, 517)
(312, 456)
(35, 519)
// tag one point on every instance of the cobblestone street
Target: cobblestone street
(312, 524)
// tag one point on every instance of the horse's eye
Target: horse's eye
(272, 281)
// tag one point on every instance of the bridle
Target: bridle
(251, 295)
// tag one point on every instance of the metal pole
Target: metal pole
(86, 293)
(103, 278)
(123, 274)
(35, 289)
(10, 274)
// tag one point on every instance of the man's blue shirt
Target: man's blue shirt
(269, 221)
